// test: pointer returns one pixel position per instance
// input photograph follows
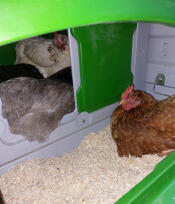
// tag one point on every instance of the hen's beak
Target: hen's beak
(121, 102)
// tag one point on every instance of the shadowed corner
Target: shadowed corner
(1, 198)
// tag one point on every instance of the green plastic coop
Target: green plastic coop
(104, 31)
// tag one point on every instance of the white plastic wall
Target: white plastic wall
(153, 62)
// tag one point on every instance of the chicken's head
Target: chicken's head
(61, 41)
(129, 99)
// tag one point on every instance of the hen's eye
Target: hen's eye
(138, 94)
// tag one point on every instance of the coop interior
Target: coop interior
(104, 60)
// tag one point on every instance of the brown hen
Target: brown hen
(142, 125)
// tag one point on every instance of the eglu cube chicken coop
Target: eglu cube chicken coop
(112, 44)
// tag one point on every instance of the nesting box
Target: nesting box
(112, 44)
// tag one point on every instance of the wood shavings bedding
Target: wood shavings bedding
(91, 174)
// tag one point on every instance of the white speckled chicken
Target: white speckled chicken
(47, 55)
(34, 107)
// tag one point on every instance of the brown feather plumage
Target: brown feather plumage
(147, 129)
(1, 198)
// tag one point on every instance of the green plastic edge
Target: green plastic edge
(21, 19)
(157, 188)
(103, 79)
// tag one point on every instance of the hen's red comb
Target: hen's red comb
(60, 44)
(127, 91)
(56, 39)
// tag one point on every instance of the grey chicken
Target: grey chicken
(34, 107)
